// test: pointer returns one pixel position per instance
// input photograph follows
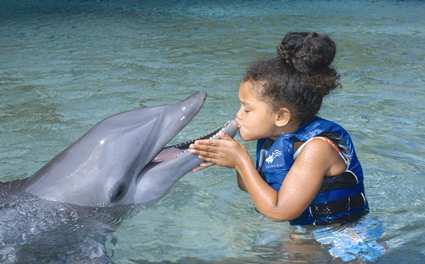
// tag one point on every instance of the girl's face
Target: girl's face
(255, 116)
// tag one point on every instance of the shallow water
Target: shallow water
(64, 65)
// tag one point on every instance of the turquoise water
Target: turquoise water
(64, 65)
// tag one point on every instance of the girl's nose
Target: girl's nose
(239, 114)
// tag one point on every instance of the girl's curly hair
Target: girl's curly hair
(300, 76)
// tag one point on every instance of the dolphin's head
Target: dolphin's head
(121, 160)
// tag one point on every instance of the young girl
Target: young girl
(306, 169)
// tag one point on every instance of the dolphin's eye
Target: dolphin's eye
(118, 193)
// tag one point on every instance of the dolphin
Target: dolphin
(121, 159)
(78, 196)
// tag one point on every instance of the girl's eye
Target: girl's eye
(244, 109)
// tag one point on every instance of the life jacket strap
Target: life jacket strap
(345, 204)
(347, 179)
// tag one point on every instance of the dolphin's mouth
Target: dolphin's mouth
(174, 151)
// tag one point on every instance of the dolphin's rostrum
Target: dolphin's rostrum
(121, 160)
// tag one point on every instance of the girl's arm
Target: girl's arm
(299, 187)
(240, 182)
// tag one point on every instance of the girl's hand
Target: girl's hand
(202, 166)
(225, 151)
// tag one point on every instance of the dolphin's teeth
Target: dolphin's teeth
(185, 145)
(229, 127)
(171, 152)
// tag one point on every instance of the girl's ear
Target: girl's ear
(283, 116)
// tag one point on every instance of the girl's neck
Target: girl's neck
(289, 128)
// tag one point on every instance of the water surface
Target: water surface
(65, 65)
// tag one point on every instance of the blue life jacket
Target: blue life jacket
(341, 198)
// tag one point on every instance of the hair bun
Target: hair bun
(307, 51)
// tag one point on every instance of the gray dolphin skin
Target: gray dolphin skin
(66, 211)
(122, 160)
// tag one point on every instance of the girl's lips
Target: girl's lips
(240, 127)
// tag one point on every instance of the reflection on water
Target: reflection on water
(67, 64)
(353, 241)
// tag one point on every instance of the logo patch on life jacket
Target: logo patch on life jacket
(275, 154)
